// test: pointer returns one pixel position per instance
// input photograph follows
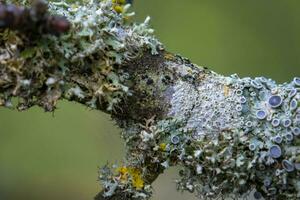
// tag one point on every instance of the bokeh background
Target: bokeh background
(56, 156)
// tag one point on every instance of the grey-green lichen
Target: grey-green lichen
(85, 64)
(224, 134)
(240, 146)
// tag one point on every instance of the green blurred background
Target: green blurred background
(45, 156)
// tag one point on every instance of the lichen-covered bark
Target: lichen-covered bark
(232, 136)
(83, 65)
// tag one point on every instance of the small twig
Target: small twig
(32, 20)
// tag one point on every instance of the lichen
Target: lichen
(240, 144)
(89, 58)
(226, 147)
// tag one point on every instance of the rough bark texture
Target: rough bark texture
(231, 135)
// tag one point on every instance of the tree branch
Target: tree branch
(231, 135)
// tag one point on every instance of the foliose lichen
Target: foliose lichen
(244, 129)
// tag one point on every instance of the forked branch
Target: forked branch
(232, 136)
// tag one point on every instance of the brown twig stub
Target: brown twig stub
(32, 20)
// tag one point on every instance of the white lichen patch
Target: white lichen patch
(209, 107)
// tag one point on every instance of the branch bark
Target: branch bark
(231, 135)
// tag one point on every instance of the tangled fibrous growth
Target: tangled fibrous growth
(233, 137)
